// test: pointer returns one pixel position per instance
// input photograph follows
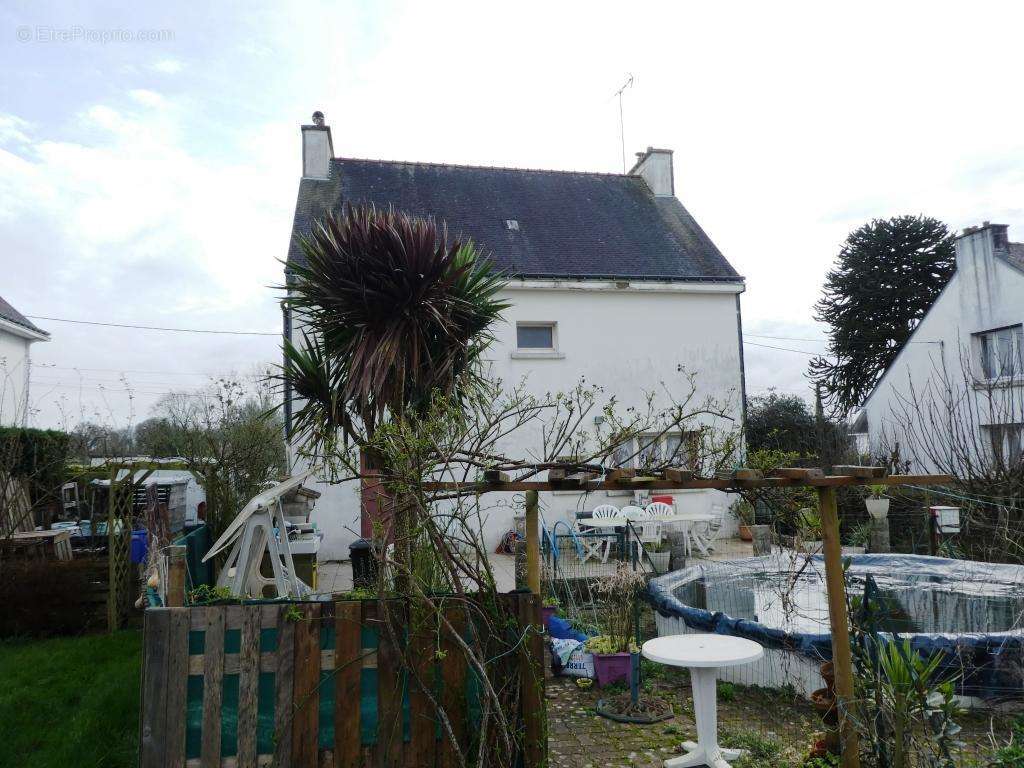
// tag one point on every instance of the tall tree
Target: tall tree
(888, 274)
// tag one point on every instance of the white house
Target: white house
(953, 398)
(17, 334)
(613, 281)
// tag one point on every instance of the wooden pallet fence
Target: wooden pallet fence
(298, 685)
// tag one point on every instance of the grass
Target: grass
(70, 701)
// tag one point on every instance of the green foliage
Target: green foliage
(611, 644)
(38, 455)
(888, 274)
(762, 751)
(877, 491)
(204, 594)
(726, 691)
(780, 423)
(395, 313)
(1011, 754)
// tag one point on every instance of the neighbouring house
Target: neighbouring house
(612, 280)
(953, 398)
(17, 335)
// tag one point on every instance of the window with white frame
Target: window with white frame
(1001, 352)
(673, 448)
(1007, 443)
(539, 337)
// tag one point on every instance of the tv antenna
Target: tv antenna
(622, 127)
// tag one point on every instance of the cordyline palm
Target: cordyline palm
(391, 313)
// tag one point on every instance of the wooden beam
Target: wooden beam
(796, 473)
(722, 484)
(532, 542)
(861, 472)
(176, 568)
(678, 474)
(842, 659)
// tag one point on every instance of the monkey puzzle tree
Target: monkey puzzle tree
(888, 274)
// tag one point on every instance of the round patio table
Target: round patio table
(703, 655)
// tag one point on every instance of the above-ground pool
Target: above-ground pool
(972, 612)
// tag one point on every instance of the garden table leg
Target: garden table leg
(706, 750)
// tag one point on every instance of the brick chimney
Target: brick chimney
(317, 149)
(655, 167)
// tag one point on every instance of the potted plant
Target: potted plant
(877, 503)
(857, 539)
(744, 512)
(614, 647)
(549, 608)
(659, 555)
(809, 530)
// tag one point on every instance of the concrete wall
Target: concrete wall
(15, 363)
(985, 293)
(627, 340)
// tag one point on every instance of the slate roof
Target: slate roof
(571, 224)
(7, 312)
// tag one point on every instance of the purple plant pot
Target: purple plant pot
(611, 667)
(546, 612)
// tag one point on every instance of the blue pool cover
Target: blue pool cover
(989, 664)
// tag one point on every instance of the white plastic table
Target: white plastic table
(686, 518)
(703, 655)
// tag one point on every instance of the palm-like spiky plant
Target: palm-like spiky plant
(391, 312)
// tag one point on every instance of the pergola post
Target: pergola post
(842, 660)
(532, 542)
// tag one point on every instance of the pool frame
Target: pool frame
(794, 658)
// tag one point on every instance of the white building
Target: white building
(967, 351)
(17, 334)
(613, 281)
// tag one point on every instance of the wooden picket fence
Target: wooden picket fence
(320, 684)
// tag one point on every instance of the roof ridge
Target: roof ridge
(485, 167)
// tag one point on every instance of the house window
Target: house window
(535, 337)
(1007, 441)
(1001, 352)
(673, 449)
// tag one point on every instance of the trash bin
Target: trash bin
(139, 546)
(364, 567)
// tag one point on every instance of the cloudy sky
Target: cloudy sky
(150, 156)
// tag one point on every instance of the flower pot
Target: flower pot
(659, 560)
(825, 704)
(745, 533)
(762, 536)
(611, 667)
(546, 612)
(877, 508)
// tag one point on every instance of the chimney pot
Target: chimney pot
(318, 119)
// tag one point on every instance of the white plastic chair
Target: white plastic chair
(647, 532)
(709, 531)
(634, 513)
(660, 509)
(597, 547)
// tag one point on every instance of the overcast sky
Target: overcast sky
(152, 181)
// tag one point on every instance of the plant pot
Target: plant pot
(762, 537)
(854, 550)
(660, 560)
(611, 667)
(546, 612)
(825, 704)
(877, 508)
(745, 533)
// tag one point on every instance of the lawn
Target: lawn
(70, 701)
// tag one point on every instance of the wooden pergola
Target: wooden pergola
(588, 479)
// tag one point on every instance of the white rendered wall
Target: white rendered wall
(626, 340)
(984, 293)
(14, 377)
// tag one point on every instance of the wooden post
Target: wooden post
(842, 659)
(176, 569)
(532, 543)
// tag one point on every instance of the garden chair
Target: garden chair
(710, 530)
(647, 532)
(596, 547)
(660, 509)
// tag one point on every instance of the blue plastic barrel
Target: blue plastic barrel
(139, 545)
